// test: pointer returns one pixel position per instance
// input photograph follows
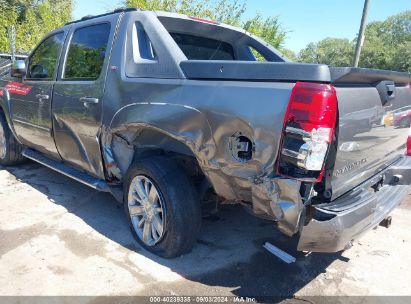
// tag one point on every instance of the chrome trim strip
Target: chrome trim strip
(297, 131)
(294, 154)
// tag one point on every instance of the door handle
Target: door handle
(89, 100)
(42, 97)
(391, 91)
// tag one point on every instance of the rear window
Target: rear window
(200, 48)
(87, 51)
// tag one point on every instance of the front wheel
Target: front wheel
(10, 149)
(162, 207)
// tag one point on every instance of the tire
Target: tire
(10, 149)
(405, 122)
(175, 196)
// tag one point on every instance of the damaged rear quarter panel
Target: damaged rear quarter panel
(203, 115)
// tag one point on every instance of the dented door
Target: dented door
(78, 94)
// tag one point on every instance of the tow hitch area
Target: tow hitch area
(386, 222)
(334, 225)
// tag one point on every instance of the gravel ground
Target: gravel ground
(58, 237)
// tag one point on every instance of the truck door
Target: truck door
(78, 93)
(31, 97)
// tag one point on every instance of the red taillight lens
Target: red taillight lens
(409, 146)
(312, 105)
(409, 143)
(308, 130)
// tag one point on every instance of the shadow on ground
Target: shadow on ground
(228, 253)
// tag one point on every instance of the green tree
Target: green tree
(331, 51)
(377, 50)
(289, 54)
(225, 11)
(32, 20)
(267, 28)
(402, 58)
(387, 46)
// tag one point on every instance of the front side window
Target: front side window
(43, 61)
(201, 48)
(86, 53)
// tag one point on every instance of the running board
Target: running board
(62, 168)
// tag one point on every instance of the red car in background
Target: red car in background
(402, 119)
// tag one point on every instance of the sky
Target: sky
(306, 20)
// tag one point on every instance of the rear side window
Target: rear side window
(43, 61)
(86, 53)
(142, 47)
(200, 48)
(256, 54)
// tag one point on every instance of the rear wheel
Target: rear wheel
(10, 149)
(162, 207)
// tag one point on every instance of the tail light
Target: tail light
(309, 127)
(409, 143)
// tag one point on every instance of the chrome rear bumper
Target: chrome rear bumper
(333, 226)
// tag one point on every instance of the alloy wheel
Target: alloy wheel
(145, 206)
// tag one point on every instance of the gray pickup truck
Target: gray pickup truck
(165, 110)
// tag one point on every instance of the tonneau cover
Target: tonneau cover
(255, 71)
(367, 76)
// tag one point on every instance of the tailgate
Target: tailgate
(369, 138)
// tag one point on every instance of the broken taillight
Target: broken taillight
(309, 127)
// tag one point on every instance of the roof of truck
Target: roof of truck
(164, 15)
(116, 11)
(215, 26)
(158, 13)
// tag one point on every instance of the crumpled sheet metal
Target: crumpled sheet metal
(179, 122)
(276, 198)
(111, 165)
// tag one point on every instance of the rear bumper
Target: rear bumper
(332, 227)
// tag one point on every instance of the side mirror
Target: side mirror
(18, 69)
(38, 71)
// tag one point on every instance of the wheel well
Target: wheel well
(130, 145)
